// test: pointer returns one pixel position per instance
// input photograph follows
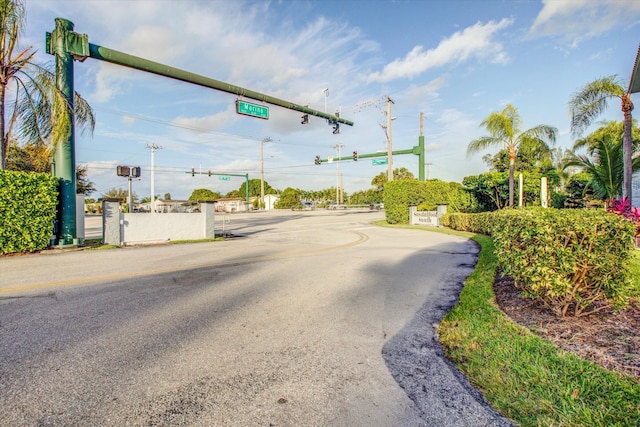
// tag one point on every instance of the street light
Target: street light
(262, 141)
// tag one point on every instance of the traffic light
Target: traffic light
(193, 171)
(305, 119)
(336, 129)
(135, 172)
(123, 171)
(209, 172)
(355, 156)
(318, 161)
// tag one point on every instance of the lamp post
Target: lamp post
(153, 148)
(262, 141)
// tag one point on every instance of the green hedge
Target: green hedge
(27, 210)
(399, 195)
(576, 261)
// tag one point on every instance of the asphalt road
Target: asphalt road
(304, 319)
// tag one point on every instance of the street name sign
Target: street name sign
(379, 161)
(253, 110)
(225, 178)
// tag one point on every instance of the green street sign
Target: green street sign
(225, 178)
(379, 161)
(253, 110)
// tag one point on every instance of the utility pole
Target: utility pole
(338, 147)
(262, 141)
(153, 148)
(389, 141)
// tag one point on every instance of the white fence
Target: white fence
(139, 228)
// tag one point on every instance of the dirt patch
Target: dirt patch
(608, 338)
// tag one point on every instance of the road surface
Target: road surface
(303, 319)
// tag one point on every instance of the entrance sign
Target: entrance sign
(253, 110)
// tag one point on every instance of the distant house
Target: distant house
(168, 206)
(231, 204)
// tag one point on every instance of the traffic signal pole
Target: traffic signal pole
(68, 46)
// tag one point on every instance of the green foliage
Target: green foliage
(523, 376)
(399, 195)
(120, 194)
(399, 174)
(606, 167)
(491, 190)
(27, 211)
(578, 193)
(576, 261)
(289, 199)
(254, 188)
(202, 194)
(366, 197)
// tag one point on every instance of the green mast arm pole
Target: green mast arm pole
(124, 59)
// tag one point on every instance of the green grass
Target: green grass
(524, 377)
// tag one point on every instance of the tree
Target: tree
(254, 188)
(398, 174)
(118, 193)
(290, 198)
(36, 157)
(504, 130)
(37, 112)
(202, 194)
(606, 168)
(590, 101)
(167, 196)
(83, 185)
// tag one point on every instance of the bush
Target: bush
(575, 261)
(400, 194)
(27, 210)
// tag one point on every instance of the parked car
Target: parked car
(376, 206)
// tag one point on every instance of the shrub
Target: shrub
(27, 210)
(400, 194)
(575, 261)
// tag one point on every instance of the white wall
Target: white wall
(138, 228)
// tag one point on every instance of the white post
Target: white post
(153, 148)
(389, 142)
(543, 192)
(520, 190)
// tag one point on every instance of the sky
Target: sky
(454, 61)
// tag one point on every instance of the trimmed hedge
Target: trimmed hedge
(27, 211)
(399, 195)
(575, 261)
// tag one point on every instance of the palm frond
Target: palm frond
(591, 100)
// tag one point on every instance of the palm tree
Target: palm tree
(590, 101)
(504, 130)
(36, 109)
(606, 169)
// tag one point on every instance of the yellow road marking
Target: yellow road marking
(361, 239)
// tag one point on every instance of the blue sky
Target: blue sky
(455, 61)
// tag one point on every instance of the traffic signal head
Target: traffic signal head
(123, 171)
(336, 129)
(193, 171)
(209, 172)
(305, 119)
(355, 156)
(318, 161)
(135, 172)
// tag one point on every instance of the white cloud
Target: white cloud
(579, 20)
(475, 41)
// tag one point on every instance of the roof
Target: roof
(634, 81)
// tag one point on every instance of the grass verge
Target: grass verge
(524, 377)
